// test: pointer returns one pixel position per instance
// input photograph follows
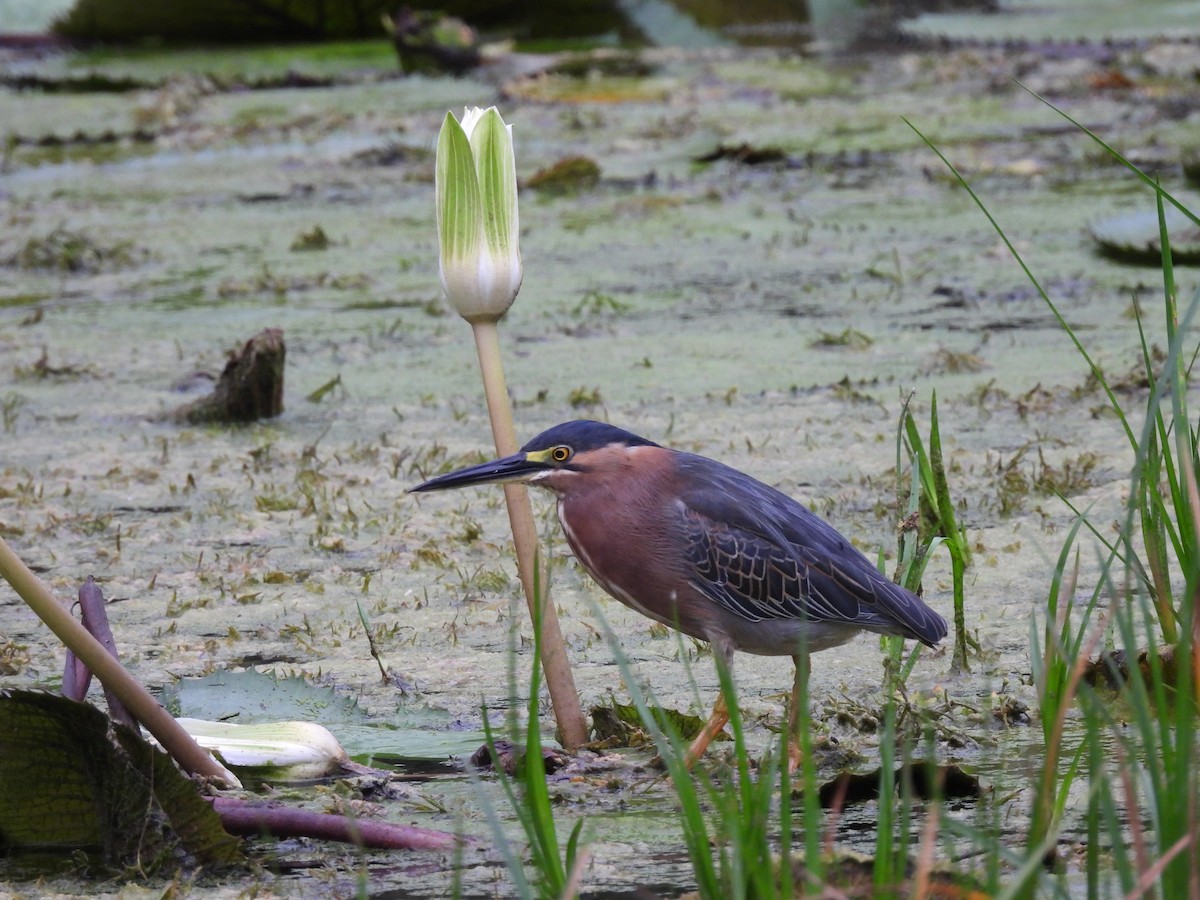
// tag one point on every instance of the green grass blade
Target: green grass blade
(1115, 154)
(1095, 370)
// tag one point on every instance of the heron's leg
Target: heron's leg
(716, 722)
(795, 745)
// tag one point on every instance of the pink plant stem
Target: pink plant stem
(250, 818)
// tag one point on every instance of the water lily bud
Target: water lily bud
(273, 751)
(478, 225)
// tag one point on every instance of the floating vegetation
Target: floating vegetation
(71, 781)
(567, 176)
(745, 154)
(1136, 238)
(595, 303)
(1071, 476)
(851, 339)
(605, 64)
(67, 250)
(40, 369)
(313, 239)
(392, 153)
(955, 362)
(583, 397)
(268, 281)
(14, 657)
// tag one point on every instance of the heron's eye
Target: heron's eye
(560, 454)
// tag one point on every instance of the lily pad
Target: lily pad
(71, 780)
(858, 787)
(249, 696)
(1062, 20)
(415, 733)
(1135, 237)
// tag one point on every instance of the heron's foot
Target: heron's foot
(795, 723)
(795, 755)
(715, 725)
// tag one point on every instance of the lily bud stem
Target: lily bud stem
(559, 680)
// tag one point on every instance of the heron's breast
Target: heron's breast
(633, 551)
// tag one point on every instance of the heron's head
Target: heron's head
(555, 458)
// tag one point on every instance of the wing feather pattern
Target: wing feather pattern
(769, 557)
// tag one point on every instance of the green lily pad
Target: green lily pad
(69, 779)
(414, 733)
(245, 697)
(1062, 20)
(1135, 237)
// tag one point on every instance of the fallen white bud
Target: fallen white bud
(271, 751)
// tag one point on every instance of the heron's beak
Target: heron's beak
(518, 467)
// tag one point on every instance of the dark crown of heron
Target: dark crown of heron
(581, 436)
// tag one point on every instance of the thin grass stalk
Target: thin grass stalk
(1152, 510)
(1163, 525)
(1166, 525)
(1114, 826)
(1133, 813)
(456, 860)
(1153, 522)
(930, 474)
(512, 861)
(960, 552)
(1050, 796)
(533, 811)
(732, 826)
(575, 876)
(814, 862)
(1097, 777)
(929, 833)
(884, 875)
(1184, 777)
(1151, 874)
(553, 874)
(692, 816)
(914, 548)
(748, 863)
(1162, 739)
(786, 880)
(1111, 151)
(1061, 643)
(906, 801)
(1128, 560)
(1093, 368)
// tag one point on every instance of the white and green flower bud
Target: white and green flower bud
(277, 752)
(478, 223)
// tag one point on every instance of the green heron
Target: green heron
(708, 550)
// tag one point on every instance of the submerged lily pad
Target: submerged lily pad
(414, 733)
(1135, 237)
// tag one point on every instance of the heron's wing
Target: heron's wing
(761, 555)
(757, 578)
